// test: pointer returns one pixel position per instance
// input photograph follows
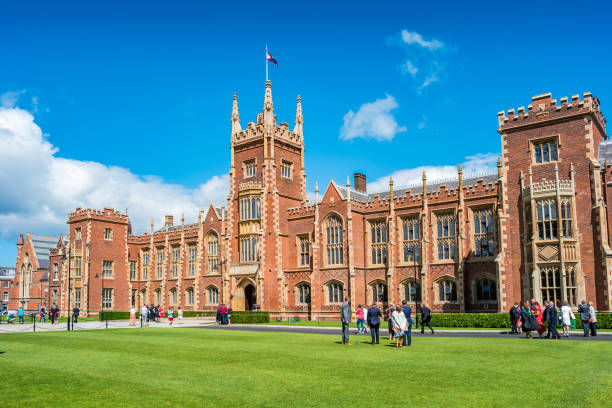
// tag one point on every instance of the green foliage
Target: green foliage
(196, 313)
(485, 320)
(250, 317)
(113, 315)
(604, 321)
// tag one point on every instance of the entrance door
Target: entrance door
(250, 297)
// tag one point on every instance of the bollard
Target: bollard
(34, 320)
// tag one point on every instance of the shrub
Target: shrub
(198, 313)
(114, 315)
(250, 317)
(604, 321)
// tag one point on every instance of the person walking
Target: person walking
(20, 314)
(170, 316)
(223, 311)
(75, 314)
(345, 318)
(528, 321)
(180, 313)
(585, 316)
(151, 313)
(550, 316)
(390, 311)
(374, 316)
(132, 316)
(515, 316)
(400, 325)
(42, 315)
(593, 319)
(567, 316)
(360, 320)
(144, 312)
(425, 319)
(407, 310)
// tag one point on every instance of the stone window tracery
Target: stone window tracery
(213, 252)
(145, 264)
(286, 169)
(249, 168)
(55, 272)
(412, 291)
(249, 248)
(446, 236)
(335, 247)
(335, 291)
(570, 285)
(547, 219)
(411, 238)
(107, 269)
(176, 257)
(173, 296)
(566, 217)
(213, 295)
(379, 292)
(378, 242)
(484, 238)
(192, 257)
(304, 244)
(545, 151)
(302, 294)
(447, 291)
(132, 270)
(250, 208)
(550, 283)
(189, 296)
(160, 261)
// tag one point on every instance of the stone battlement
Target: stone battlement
(107, 214)
(544, 108)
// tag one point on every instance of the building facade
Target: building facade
(536, 227)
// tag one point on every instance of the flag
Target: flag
(270, 58)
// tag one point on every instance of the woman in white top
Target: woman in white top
(568, 316)
(132, 317)
(400, 325)
(593, 321)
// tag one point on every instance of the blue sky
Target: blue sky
(108, 104)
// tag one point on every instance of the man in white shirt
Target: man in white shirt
(144, 312)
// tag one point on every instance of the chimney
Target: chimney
(360, 182)
(169, 220)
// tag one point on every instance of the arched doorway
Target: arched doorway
(250, 297)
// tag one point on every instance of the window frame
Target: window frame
(537, 151)
(442, 285)
(108, 234)
(249, 168)
(335, 292)
(445, 231)
(334, 240)
(486, 213)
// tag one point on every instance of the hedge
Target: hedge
(113, 315)
(250, 317)
(497, 320)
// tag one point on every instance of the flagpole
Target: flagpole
(266, 62)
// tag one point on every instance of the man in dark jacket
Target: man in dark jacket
(345, 318)
(75, 315)
(514, 316)
(585, 315)
(407, 310)
(425, 319)
(551, 319)
(374, 316)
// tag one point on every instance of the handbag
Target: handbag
(590, 320)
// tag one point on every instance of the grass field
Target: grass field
(194, 367)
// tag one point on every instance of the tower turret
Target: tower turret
(268, 113)
(235, 117)
(299, 118)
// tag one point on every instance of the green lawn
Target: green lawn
(195, 367)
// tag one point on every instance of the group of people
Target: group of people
(224, 314)
(399, 318)
(531, 317)
(153, 313)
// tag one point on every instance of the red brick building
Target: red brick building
(537, 227)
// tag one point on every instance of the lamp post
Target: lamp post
(413, 251)
(68, 315)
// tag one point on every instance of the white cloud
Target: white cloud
(412, 37)
(9, 99)
(410, 68)
(426, 60)
(373, 120)
(39, 188)
(476, 164)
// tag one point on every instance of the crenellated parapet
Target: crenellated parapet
(543, 108)
(107, 214)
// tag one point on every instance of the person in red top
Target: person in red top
(360, 320)
(223, 314)
(539, 317)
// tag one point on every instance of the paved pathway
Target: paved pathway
(490, 334)
(95, 325)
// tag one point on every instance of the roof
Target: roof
(174, 228)
(605, 152)
(7, 272)
(417, 188)
(42, 245)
